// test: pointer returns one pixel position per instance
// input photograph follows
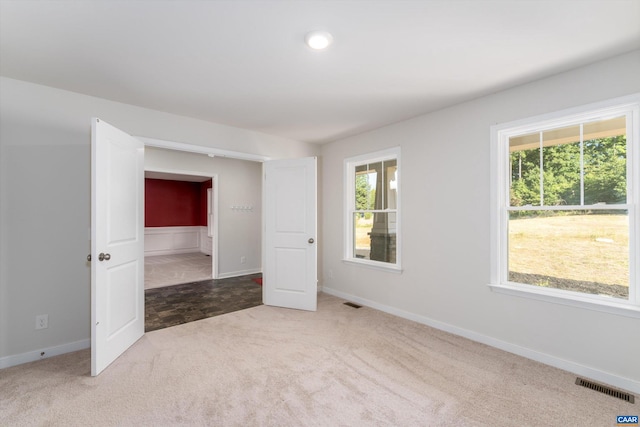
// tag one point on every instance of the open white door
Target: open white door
(290, 249)
(117, 243)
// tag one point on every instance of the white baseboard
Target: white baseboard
(567, 365)
(44, 353)
(239, 273)
(173, 252)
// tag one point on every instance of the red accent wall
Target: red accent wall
(174, 203)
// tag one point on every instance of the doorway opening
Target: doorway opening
(118, 161)
(184, 255)
(180, 228)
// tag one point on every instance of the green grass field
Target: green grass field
(590, 248)
(584, 248)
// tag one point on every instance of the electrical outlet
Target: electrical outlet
(243, 259)
(42, 321)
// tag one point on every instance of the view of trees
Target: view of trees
(605, 173)
(365, 194)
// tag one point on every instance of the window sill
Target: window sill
(571, 299)
(375, 265)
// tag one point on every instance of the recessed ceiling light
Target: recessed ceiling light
(318, 40)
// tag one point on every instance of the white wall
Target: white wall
(44, 217)
(45, 203)
(445, 221)
(239, 184)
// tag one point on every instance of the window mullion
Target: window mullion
(581, 164)
(620, 207)
(633, 198)
(383, 184)
(634, 291)
(541, 171)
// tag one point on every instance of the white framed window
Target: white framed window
(565, 207)
(372, 213)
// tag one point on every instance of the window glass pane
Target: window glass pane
(365, 188)
(362, 224)
(561, 166)
(581, 251)
(524, 155)
(361, 168)
(605, 162)
(375, 181)
(390, 184)
(375, 236)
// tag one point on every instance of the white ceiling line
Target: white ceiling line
(181, 146)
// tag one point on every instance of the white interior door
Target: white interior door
(290, 249)
(117, 243)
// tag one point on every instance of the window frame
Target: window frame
(350, 165)
(500, 204)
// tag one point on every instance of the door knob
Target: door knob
(104, 257)
(311, 240)
(89, 257)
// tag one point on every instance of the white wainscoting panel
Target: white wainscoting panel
(206, 242)
(171, 240)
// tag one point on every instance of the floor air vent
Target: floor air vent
(606, 390)
(350, 304)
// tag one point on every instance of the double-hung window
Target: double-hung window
(565, 205)
(372, 199)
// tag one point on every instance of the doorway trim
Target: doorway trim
(200, 149)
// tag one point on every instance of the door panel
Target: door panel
(121, 291)
(117, 232)
(290, 266)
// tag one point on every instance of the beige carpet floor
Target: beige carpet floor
(167, 270)
(267, 366)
